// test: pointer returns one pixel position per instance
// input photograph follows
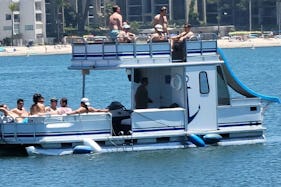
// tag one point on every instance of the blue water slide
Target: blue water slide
(238, 86)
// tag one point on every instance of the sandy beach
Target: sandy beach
(255, 42)
(36, 50)
(67, 49)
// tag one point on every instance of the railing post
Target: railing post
(86, 51)
(135, 49)
(150, 48)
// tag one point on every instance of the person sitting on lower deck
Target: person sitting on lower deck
(86, 108)
(8, 116)
(64, 109)
(20, 111)
(52, 109)
(38, 107)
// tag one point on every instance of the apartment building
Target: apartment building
(27, 21)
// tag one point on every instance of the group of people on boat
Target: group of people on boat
(20, 114)
(119, 30)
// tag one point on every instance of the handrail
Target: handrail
(117, 50)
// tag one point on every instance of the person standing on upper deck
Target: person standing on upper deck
(161, 19)
(115, 22)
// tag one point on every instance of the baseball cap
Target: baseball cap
(53, 99)
(86, 101)
(159, 28)
(126, 26)
(163, 8)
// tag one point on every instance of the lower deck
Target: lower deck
(126, 130)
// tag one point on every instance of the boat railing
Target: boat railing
(114, 53)
(37, 127)
(115, 50)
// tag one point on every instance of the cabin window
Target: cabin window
(203, 81)
(223, 93)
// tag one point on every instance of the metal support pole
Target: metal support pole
(84, 73)
(83, 85)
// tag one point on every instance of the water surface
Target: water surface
(246, 165)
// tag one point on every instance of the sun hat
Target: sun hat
(86, 101)
(126, 26)
(159, 28)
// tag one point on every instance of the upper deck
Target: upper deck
(121, 55)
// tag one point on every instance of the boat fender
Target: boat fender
(82, 149)
(212, 138)
(196, 140)
(94, 145)
(176, 82)
(30, 150)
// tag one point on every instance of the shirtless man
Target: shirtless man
(8, 115)
(115, 22)
(158, 34)
(125, 35)
(161, 19)
(38, 107)
(85, 108)
(20, 111)
(52, 109)
(186, 34)
(64, 109)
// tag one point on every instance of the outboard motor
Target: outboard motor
(119, 113)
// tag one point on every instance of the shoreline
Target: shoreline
(67, 49)
(36, 50)
(252, 43)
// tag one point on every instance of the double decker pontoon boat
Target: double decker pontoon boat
(192, 103)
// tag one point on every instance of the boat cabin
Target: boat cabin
(186, 84)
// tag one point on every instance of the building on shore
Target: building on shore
(25, 24)
(45, 21)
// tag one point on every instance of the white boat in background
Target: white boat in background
(192, 104)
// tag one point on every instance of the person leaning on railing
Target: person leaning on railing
(7, 116)
(85, 107)
(186, 34)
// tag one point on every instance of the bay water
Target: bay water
(243, 165)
